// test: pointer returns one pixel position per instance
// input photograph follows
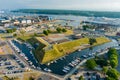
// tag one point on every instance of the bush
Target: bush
(45, 32)
(105, 69)
(85, 27)
(113, 57)
(49, 31)
(64, 30)
(113, 73)
(91, 64)
(92, 41)
(11, 30)
(81, 78)
(15, 35)
(102, 62)
(59, 30)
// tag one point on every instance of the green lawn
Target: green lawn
(24, 38)
(42, 41)
(68, 47)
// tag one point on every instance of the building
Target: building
(45, 18)
(16, 22)
(2, 30)
(4, 20)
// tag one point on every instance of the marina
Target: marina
(67, 62)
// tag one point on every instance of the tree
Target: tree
(105, 69)
(92, 41)
(109, 78)
(31, 78)
(112, 51)
(11, 30)
(91, 64)
(66, 24)
(113, 73)
(81, 78)
(45, 32)
(85, 27)
(22, 32)
(8, 78)
(113, 57)
(35, 34)
(15, 35)
(64, 30)
(114, 63)
(49, 31)
(59, 30)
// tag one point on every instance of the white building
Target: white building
(28, 21)
(23, 21)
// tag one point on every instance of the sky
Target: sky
(99, 5)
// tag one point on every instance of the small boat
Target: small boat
(31, 63)
(39, 68)
(61, 58)
(93, 53)
(55, 61)
(47, 70)
(65, 71)
(26, 58)
(74, 63)
(67, 68)
(98, 51)
(84, 56)
(48, 64)
(33, 66)
(22, 54)
(79, 49)
(90, 54)
(51, 62)
(70, 64)
(31, 52)
(79, 59)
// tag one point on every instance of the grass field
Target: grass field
(1, 51)
(62, 49)
(42, 41)
(69, 32)
(26, 76)
(57, 50)
(24, 38)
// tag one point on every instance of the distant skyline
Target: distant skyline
(96, 5)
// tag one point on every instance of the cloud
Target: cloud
(62, 4)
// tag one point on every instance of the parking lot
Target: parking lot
(10, 64)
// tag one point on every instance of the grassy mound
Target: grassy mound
(62, 49)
